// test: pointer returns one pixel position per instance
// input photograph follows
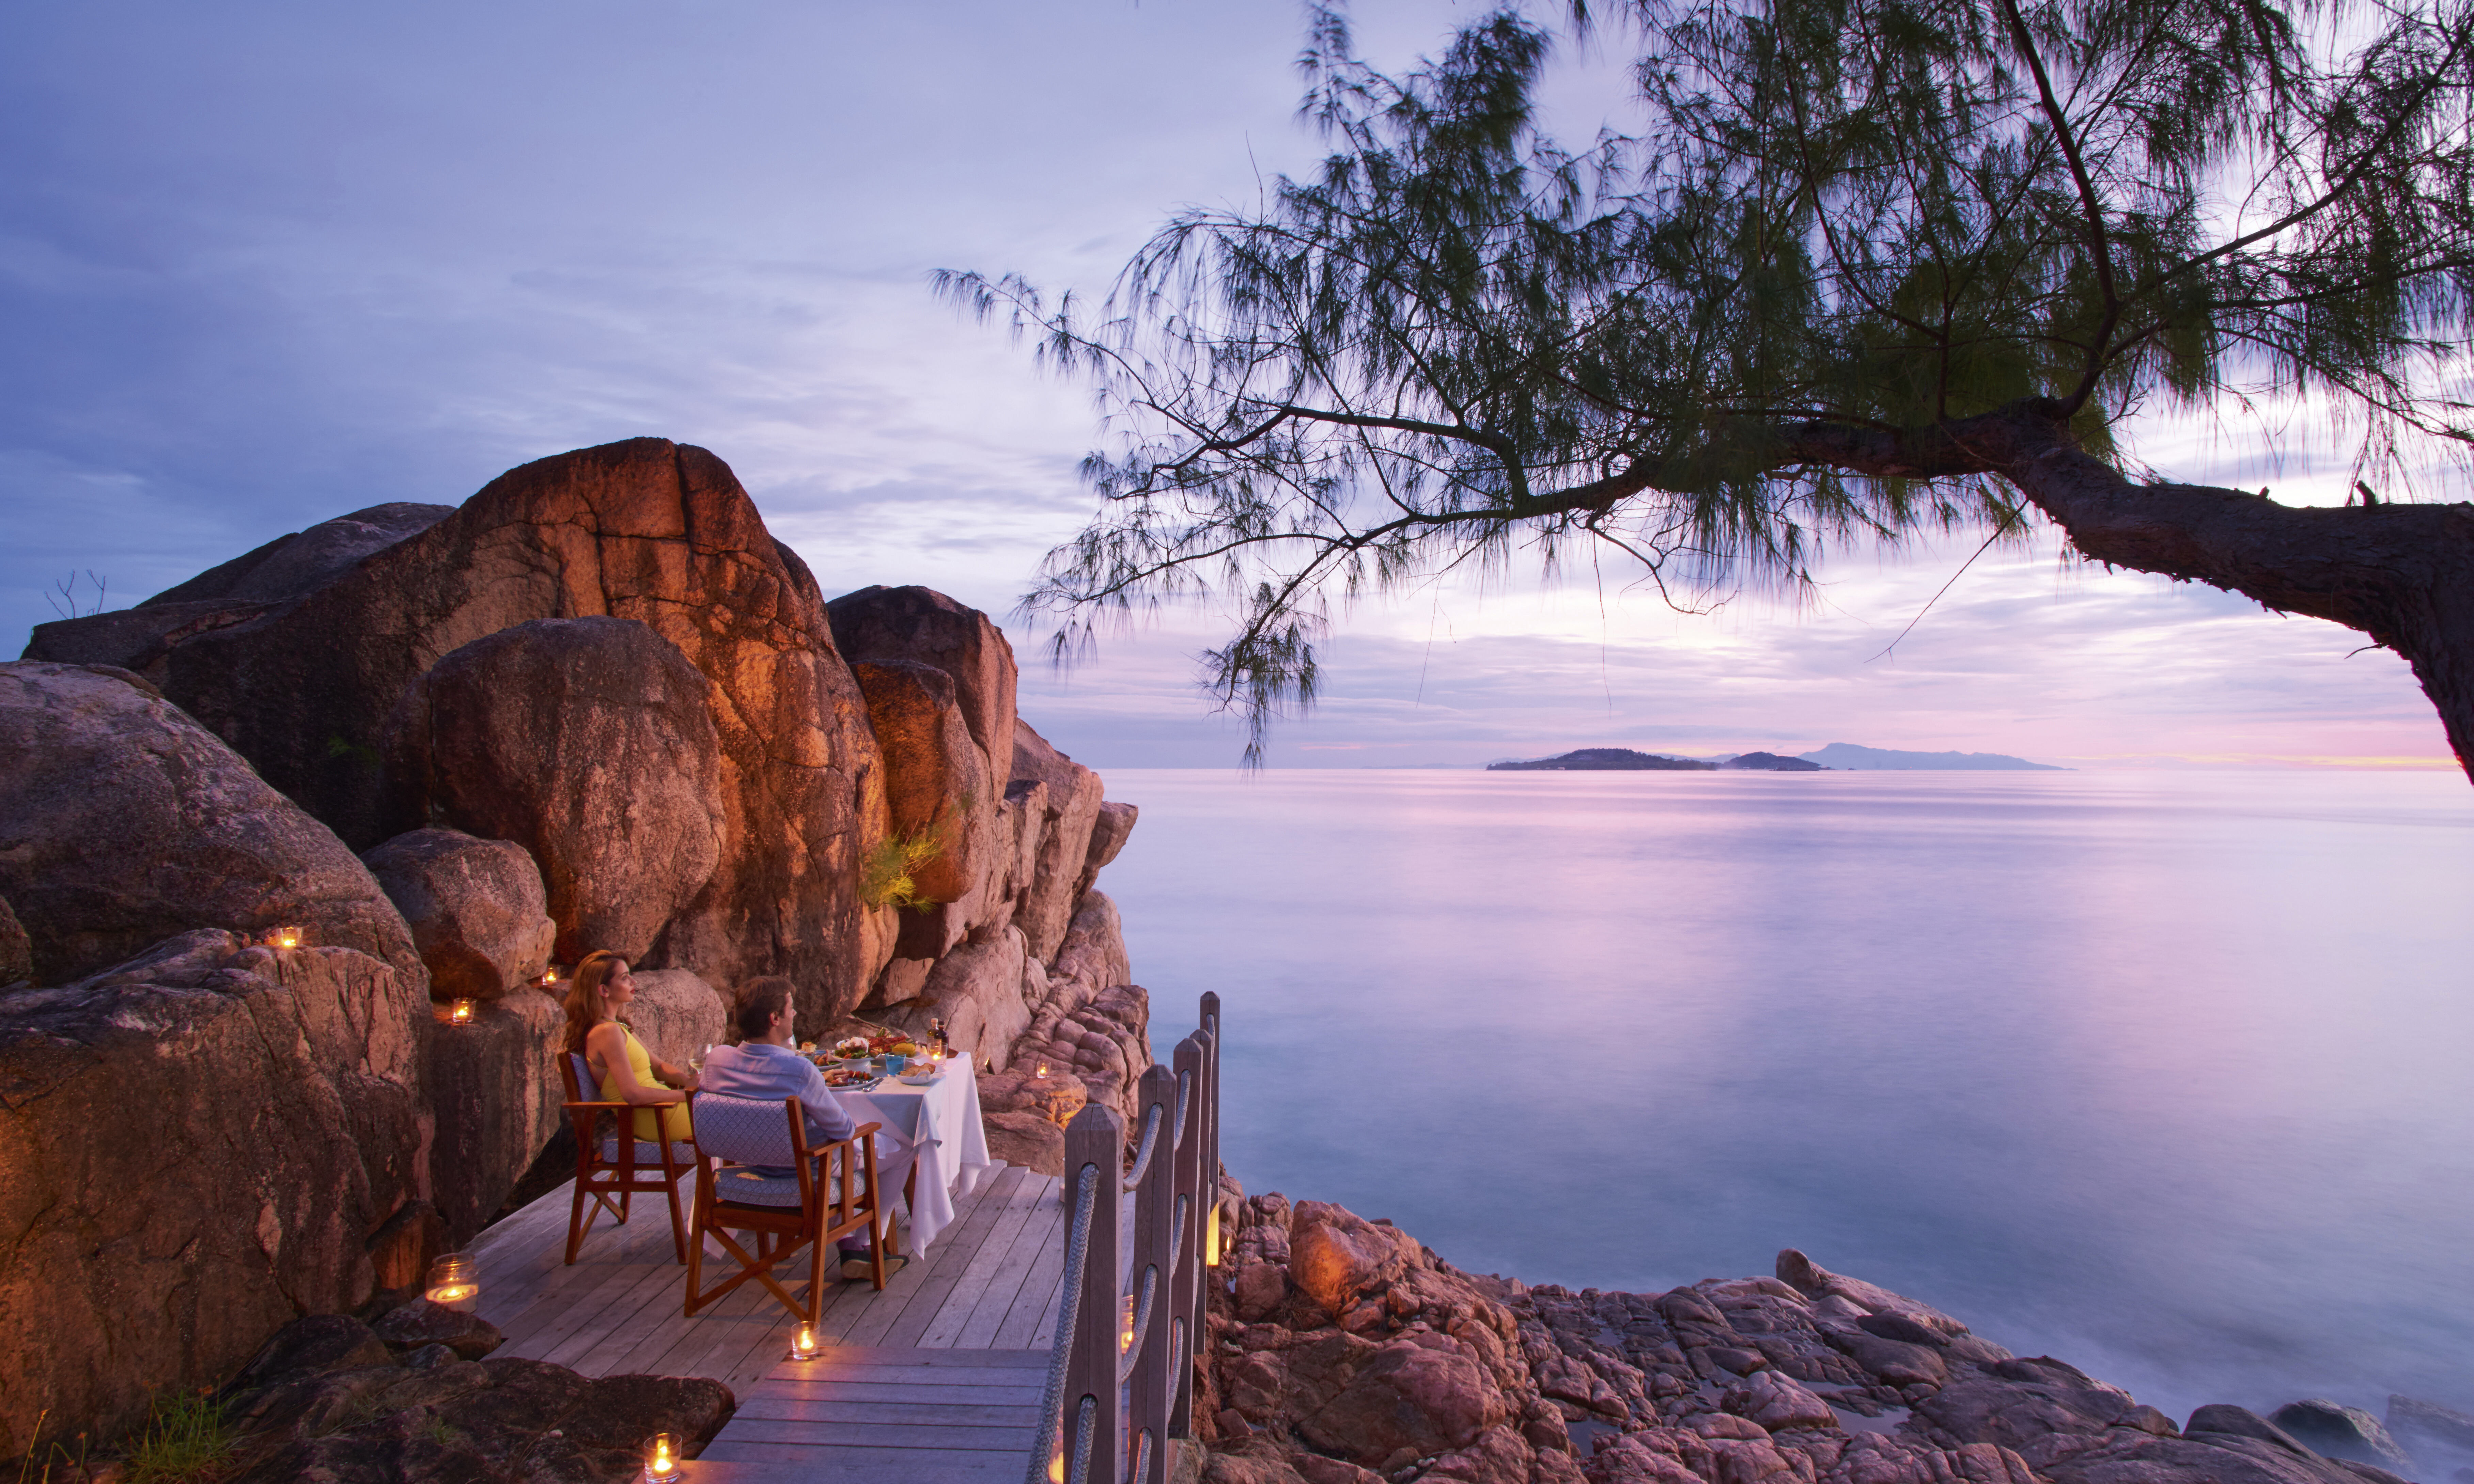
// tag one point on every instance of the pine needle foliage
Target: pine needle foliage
(1460, 340)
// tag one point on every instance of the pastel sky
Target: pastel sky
(265, 263)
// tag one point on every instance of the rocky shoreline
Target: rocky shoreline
(1342, 1351)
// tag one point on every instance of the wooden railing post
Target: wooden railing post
(1097, 1139)
(1187, 1292)
(1154, 1232)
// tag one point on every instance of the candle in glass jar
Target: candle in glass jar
(460, 1012)
(455, 1282)
(662, 1458)
(803, 1342)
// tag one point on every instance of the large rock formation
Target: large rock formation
(930, 629)
(126, 822)
(589, 742)
(1071, 807)
(647, 530)
(475, 907)
(200, 1144)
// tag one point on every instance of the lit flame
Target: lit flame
(287, 937)
(803, 1344)
(1212, 1238)
(452, 1293)
(661, 1458)
(461, 1013)
(1057, 1464)
(1127, 1343)
(1043, 1070)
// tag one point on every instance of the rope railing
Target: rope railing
(1136, 1391)
(1052, 1400)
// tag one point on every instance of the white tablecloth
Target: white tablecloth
(941, 1121)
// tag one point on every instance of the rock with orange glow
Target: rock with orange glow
(648, 530)
(475, 908)
(203, 1142)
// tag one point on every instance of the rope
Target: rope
(1083, 1440)
(1176, 1235)
(1142, 1457)
(1150, 1141)
(1184, 1098)
(1142, 1325)
(1052, 1401)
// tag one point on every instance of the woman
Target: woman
(627, 1072)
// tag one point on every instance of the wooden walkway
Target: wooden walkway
(937, 1377)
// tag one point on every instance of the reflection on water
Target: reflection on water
(2169, 1075)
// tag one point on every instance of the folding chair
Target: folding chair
(612, 1164)
(829, 1193)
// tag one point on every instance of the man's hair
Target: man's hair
(759, 1000)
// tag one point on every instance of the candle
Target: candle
(1127, 1343)
(1212, 1238)
(803, 1342)
(662, 1459)
(549, 979)
(455, 1282)
(284, 938)
(461, 1012)
(1042, 1073)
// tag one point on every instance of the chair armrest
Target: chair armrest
(595, 1107)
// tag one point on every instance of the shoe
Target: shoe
(861, 1270)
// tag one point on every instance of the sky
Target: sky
(263, 264)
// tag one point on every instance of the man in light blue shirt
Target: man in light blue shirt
(766, 1064)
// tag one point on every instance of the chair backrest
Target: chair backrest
(580, 1086)
(747, 1130)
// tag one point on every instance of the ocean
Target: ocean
(2167, 1074)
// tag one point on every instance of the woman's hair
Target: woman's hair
(586, 1006)
(759, 1000)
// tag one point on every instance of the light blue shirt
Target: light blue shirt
(762, 1069)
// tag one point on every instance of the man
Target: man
(766, 1064)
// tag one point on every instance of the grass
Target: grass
(185, 1440)
(885, 875)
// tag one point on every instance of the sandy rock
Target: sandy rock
(1893, 1362)
(1072, 807)
(16, 950)
(460, 1419)
(1338, 1258)
(928, 627)
(1056, 1096)
(1814, 1281)
(590, 743)
(647, 530)
(1407, 1396)
(676, 1015)
(1093, 953)
(1106, 1041)
(1110, 829)
(477, 910)
(203, 1141)
(938, 782)
(2123, 1457)
(419, 1323)
(312, 1345)
(1020, 1136)
(287, 567)
(1778, 1404)
(977, 991)
(496, 1095)
(129, 822)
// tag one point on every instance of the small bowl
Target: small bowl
(919, 1077)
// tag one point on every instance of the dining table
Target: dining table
(940, 1121)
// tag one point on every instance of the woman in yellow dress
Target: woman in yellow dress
(627, 1072)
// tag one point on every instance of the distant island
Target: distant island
(1623, 760)
(1840, 757)
(1848, 756)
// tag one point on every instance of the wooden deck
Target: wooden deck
(937, 1377)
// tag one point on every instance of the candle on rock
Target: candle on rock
(662, 1458)
(284, 938)
(460, 1012)
(455, 1282)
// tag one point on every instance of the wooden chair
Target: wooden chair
(829, 1193)
(609, 1163)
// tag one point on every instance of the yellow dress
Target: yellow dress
(674, 1118)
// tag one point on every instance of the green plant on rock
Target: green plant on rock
(887, 874)
(186, 1439)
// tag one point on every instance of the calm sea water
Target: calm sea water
(2171, 1075)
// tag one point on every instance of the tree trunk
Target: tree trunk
(2403, 574)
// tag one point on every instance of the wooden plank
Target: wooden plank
(989, 1221)
(619, 1306)
(739, 1320)
(836, 1436)
(866, 1355)
(1006, 1378)
(930, 1274)
(1037, 1245)
(568, 1303)
(766, 1462)
(943, 1326)
(1033, 1320)
(1027, 1393)
(958, 1414)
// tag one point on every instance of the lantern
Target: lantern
(460, 1012)
(455, 1282)
(662, 1458)
(803, 1342)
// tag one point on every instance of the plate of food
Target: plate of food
(919, 1076)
